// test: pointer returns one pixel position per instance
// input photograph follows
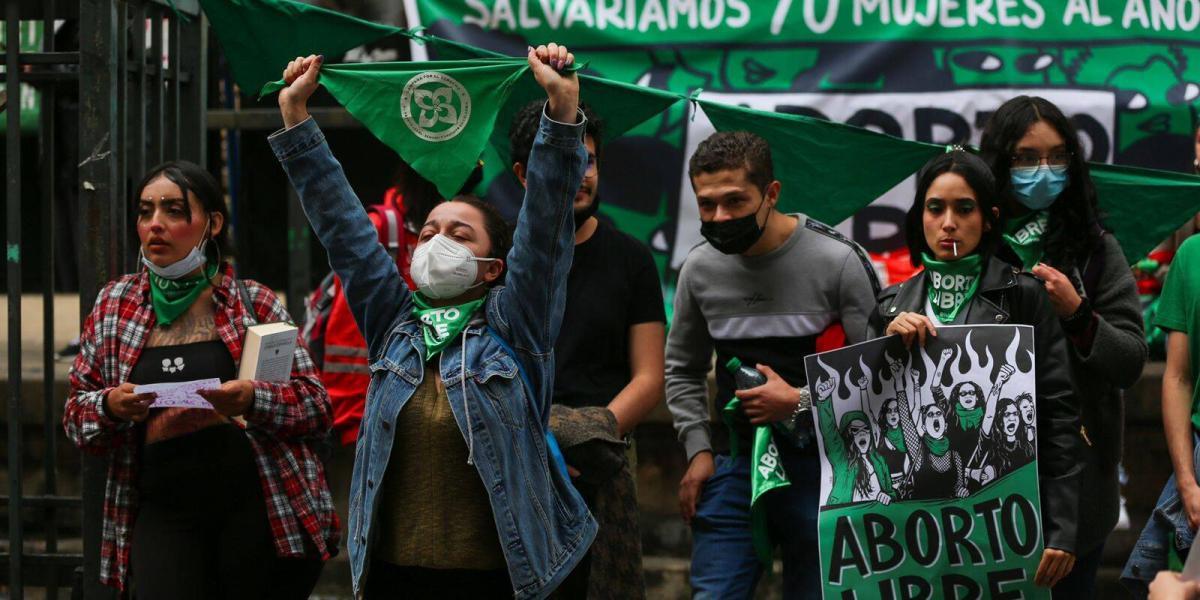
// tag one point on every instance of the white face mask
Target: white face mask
(195, 259)
(443, 268)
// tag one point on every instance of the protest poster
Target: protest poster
(929, 481)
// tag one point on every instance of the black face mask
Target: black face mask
(734, 236)
(581, 216)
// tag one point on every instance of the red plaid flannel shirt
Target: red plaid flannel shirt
(283, 423)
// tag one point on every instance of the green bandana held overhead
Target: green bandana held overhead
(437, 115)
(937, 447)
(766, 474)
(173, 297)
(442, 324)
(895, 435)
(969, 418)
(952, 284)
(1026, 237)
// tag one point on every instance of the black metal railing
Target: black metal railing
(139, 71)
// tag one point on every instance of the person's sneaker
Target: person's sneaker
(69, 351)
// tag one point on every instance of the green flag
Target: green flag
(618, 105)
(828, 170)
(437, 116)
(766, 474)
(260, 37)
(1144, 206)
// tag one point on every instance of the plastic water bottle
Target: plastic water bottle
(796, 429)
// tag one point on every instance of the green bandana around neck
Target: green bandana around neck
(951, 284)
(968, 418)
(938, 447)
(1026, 237)
(442, 324)
(173, 297)
(895, 435)
(766, 474)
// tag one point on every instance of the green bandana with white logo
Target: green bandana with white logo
(1026, 237)
(951, 284)
(442, 324)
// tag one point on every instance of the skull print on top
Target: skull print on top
(184, 362)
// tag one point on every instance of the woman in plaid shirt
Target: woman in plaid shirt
(198, 504)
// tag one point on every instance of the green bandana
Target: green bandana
(937, 447)
(969, 418)
(951, 284)
(1026, 236)
(443, 323)
(766, 474)
(172, 297)
(896, 436)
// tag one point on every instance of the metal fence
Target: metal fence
(139, 71)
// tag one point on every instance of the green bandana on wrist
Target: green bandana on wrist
(937, 447)
(1026, 237)
(951, 284)
(173, 297)
(969, 418)
(766, 474)
(443, 323)
(896, 436)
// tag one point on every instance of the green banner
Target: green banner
(695, 22)
(1131, 84)
(1127, 72)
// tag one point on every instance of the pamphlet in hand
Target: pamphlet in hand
(179, 394)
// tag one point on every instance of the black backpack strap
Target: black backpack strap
(245, 293)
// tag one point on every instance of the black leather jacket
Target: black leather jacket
(1006, 295)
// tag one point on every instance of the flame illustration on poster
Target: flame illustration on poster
(929, 480)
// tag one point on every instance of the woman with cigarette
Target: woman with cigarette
(953, 230)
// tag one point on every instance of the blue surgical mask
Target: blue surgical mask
(1038, 187)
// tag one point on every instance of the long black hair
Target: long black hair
(977, 175)
(191, 177)
(1075, 226)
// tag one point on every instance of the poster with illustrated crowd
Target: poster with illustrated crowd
(929, 483)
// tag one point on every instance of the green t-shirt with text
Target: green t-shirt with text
(1177, 310)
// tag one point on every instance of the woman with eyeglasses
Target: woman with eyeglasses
(1056, 232)
(953, 230)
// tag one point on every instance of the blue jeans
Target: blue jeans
(1149, 555)
(724, 565)
(1081, 581)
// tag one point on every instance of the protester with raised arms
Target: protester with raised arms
(953, 230)
(608, 364)
(220, 501)
(860, 473)
(1055, 230)
(1003, 444)
(935, 469)
(456, 490)
(888, 436)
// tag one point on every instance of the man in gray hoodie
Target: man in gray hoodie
(767, 288)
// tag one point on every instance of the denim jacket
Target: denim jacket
(499, 387)
(1150, 554)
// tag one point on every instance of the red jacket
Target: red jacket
(344, 371)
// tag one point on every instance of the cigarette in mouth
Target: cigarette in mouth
(955, 248)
